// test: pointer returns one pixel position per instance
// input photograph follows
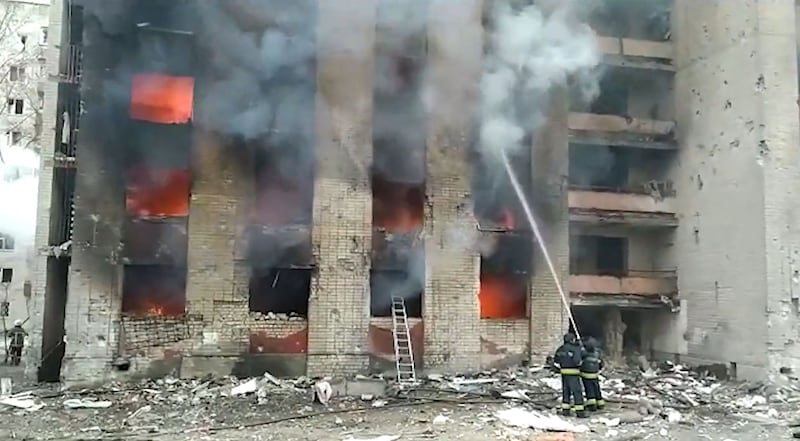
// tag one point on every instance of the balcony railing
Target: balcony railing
(71, 67)
(614, 48)
(635, 283)
(591, 122)
(593, 200)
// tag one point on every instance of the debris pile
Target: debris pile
(516, 403)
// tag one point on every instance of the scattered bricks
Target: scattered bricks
(359, 387)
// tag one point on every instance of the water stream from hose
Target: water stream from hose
(535, 227)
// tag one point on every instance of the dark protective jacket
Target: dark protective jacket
(592, 362)
(17, 336)
(568, 357)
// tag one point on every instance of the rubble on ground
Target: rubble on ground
(516, 403)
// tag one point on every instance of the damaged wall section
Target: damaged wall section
(398, 171)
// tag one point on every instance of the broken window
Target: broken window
(6, 275)
(496, 204)
(6, 242)
(598, 167)
(397, 207)
(16, 73)
(398, 168)
(648, 20)
(387, 284)
(154, 192)
(280, 290)
(161, 98)
(150, 242)
(153, 290)
(14, 138)
(599, 255)
(284, 190)
(505, 277)
(16, 106)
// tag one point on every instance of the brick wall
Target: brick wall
(504, 342)
(550, 160)
(342, 232)
(452, 324)
(94, 298)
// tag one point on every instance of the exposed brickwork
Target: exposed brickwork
(212, 225)
(381, 339)
(140, 333)
(278, 336)
(550, 160)
(452, 325)
(342, 233)
(504, 341)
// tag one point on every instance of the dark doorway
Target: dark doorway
(55, 304)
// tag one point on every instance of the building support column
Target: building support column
(451, 312)
(338, 321)
(550, 164)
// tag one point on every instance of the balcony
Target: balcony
(634, 53)
(591, 128)
(653, 289)
(601, 206)
(72, 65)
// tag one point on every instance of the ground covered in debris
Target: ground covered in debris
(671, 403)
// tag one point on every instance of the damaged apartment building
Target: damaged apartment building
(243, 186)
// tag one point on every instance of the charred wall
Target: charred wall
(186, 167)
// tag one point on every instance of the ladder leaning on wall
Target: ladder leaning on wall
(403, 353)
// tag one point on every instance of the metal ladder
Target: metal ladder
(403, 354)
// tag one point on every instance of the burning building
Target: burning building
(248, 185)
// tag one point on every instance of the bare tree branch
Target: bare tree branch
(20, 48)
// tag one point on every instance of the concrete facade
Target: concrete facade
(736, 90)
(704, 205)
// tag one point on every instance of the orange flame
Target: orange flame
(154, 304)
(507, 219)
(157, 193)
(161, 98)
(502, 297)
(397, 208)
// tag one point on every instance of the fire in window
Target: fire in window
(161, 99)
(154, 290)
(157, 192)
(505, 277)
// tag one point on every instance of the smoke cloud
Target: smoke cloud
(19, 185)
(256, 80)
(532, 52)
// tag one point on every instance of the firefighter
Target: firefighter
(591, 365)
(17, 336)
(568, 358)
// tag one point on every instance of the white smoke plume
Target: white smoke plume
(533, 49)
(19, 186)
